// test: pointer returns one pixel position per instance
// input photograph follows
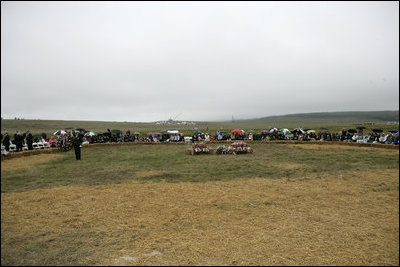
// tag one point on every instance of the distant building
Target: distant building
(170, 122)
(392, 123)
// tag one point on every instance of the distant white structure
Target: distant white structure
(172, 122)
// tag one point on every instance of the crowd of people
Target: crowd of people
(274, 134)
(343, 135)
(150, 137)
(23, 141)
(26, 140)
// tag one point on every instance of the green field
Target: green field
(151, 204)
(138, 204)
(168, 162)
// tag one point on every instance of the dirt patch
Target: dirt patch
(350, 219)
(27, 162)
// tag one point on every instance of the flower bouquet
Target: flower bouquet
(199, 148)
(239, 148)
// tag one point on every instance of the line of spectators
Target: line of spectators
(119, 137)
(25, 141)
(343, 135)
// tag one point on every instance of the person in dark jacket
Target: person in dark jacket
(6, 141)
(29, 140)
(78, 145)
(343, 135)
(18, 140)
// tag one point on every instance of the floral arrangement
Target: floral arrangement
(199, 148)
(53, 142)
(222, 150)
(65, 142)
(239, 148)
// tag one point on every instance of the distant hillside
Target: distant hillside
(330, 118)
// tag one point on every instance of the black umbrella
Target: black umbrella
(377, 130)
(307, 129)
(298, 130)
(360, 127)
(81, 130)
(393, 131)
(352, 130)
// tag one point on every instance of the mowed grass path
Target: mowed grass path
(154, 205)
(117, 164)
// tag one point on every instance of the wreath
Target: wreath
(222, 150)
(199, 148)
(239, 148)
(65, 142)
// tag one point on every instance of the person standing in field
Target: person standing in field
(343, 134)
(29, 140)
(78, 145)
(6, 141)
(18, 140)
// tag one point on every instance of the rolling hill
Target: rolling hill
(331, 120)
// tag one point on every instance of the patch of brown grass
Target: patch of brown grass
(23, 162)
(324, 146)
(289, 166)
(348, 220)
(143, 174)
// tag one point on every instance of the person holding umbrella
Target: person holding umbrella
(361, 129)
(377, 134)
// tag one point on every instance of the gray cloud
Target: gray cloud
(146, 61)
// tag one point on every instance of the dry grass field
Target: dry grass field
(343, 218)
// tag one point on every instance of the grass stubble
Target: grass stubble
(343, 216)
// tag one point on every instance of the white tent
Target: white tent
(90, 134)
(59, 132)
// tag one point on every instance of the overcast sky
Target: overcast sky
(149, 61)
